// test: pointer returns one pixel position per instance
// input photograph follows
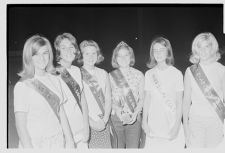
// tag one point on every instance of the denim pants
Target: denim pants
(128, 135)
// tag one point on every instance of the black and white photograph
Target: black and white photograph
(142, 76)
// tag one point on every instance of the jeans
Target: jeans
(128, 135)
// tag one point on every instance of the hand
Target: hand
(146, 128)
(118, 113)
(133, 118)
(105, 120)
(99, 125)
(126, 118)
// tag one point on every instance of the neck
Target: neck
(124, 68)
(40, 72)
(162, 65)
(89, 67)
(206, 62)
(65, 64)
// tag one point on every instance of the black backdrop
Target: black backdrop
(108, 25)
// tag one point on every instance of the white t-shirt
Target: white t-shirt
(42, 122)
(71, 107)
(172, 81)
(215, 73)
(100, 75)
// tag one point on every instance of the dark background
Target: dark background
(108, 25)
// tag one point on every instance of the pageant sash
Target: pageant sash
(100, 99)
(95, 89)
(168, 104)
(52, 99)
(208, 91)
(121, 82)
(73, 86)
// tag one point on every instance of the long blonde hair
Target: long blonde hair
(31, 47)
(206, 36)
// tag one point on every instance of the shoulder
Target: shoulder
(19, 84)
(55, 78)
(136, 71)
(22, 86)
(149, 72)
(176, 71)
(101, 71)
(220, 66)
(75, 68)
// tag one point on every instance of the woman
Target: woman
(76, 107)
(98, 94)
(38, 100)
(163, 101)
(127, 96)
(204, 92)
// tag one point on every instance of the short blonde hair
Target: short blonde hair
(166, 43)
(72, 39)
(87, 43)
(31, 47)
(206, 36)
(120, 45)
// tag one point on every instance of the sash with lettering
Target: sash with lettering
(208, 91)
(121, 82)
(73, 86)
(100, 99)
(52, 99)
(168, 104)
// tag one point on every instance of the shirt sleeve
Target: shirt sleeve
(179, 82)
(21, 97)
(147, 85)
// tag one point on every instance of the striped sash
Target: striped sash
(100, 99)
(73, 86)
(208, 91)
(121, 82)
(168, 104)
(52, 99)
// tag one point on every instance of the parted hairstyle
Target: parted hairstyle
(87, 43)
(196, 44)
(119, 46)
(72, 39)
(166, 43)
(31, 47)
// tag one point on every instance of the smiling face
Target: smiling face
(67, 50)
(160, 52)
(123, 57)
(90, 55)
(41, 58)
(205, 50)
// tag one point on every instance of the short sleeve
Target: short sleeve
(179, 82)
(147, 81)
(21, 99)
